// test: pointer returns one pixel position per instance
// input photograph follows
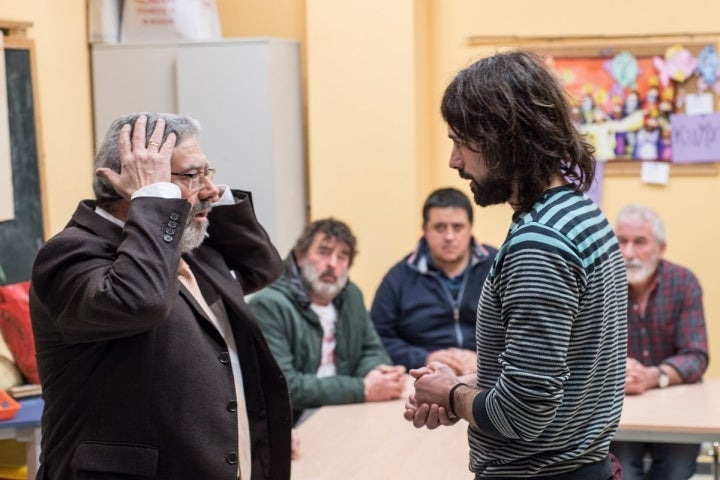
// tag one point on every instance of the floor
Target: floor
(704, 468)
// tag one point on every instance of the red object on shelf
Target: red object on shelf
(8, 406)
(16, 329)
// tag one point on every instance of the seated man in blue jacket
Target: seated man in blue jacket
(425, 307)
(316, 324)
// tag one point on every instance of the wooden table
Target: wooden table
(677, 414)
(680, 414)
(373, 440)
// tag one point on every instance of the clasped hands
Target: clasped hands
(384, 382)
(429, 406)
(460, 360)
(639, 378)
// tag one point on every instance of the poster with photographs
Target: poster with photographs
(651, 107)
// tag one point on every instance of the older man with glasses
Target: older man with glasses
(151, 363)
(667, 338)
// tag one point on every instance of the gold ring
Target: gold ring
(154, 144)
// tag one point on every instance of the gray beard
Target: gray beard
(194, 235)
(311, 279)
(639, 272)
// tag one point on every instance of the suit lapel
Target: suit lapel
(216, 287)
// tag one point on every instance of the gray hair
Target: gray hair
(108, 155)
(630, 213)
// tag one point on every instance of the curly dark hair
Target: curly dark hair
(518, 114)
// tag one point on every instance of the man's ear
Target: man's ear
(298, 258)
(663, 246)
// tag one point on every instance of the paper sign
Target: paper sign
(695, 138)
(153, 20)
(656, 173)
(699, 103)
(595, 191)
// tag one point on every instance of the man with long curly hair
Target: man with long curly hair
(551, 323)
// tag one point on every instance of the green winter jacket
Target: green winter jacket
(293, 332)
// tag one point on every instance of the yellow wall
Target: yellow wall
(693, 233)
(374, 73)
(262, 18)
(358, 116)
(363, 124)
(63, 77)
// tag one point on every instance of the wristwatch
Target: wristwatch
(663, 378)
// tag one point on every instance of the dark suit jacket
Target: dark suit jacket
(137, 383)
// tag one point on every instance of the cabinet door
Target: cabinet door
(132, 78)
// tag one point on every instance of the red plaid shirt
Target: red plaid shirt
(673, 328)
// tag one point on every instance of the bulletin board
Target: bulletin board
(603, 74)
(22, 235)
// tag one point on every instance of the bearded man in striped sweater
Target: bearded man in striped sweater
(552, 319)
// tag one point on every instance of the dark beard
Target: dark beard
(490, 191)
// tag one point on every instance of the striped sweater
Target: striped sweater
(551, 339)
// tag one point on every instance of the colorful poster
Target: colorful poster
(621, 104)
(581, 76)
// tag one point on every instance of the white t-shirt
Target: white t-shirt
(328, 317)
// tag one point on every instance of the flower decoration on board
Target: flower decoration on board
(616, 95)
(678, 65)
(708, 68)
(624, 69)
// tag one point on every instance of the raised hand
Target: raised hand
(141, 164)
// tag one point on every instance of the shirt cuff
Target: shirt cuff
(480, 415)
(227, 197)
(159, 189)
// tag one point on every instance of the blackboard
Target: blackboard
(21, 237)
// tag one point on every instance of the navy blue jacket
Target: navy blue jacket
(414, 313)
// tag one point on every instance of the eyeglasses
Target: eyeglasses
(195, 179)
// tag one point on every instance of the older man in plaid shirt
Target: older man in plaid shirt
(667, 341)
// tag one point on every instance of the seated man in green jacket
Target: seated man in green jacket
(318, 327)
